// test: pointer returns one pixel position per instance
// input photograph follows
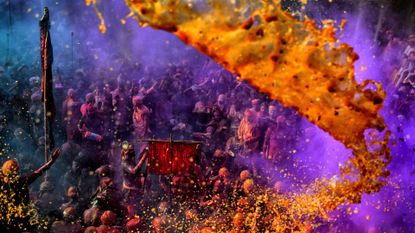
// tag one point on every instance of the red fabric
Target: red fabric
(133, 225)
(46, 53)
(171, 158)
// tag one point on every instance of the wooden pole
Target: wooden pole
(8, 34)
(381, 16)
(171, 167)
(45, 113)
(72, 57)
(47, 82)
(46, 130)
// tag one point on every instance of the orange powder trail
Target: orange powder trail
(297, 64)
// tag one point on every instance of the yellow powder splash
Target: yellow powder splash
(16, 214)
(302, 67)
(102, 26)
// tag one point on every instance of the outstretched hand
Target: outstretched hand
(144, 153)
(56, 154)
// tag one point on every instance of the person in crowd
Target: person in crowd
(47, 200)
(14, 190)
(133, 176)
(72, 195)
(121, 110)
(256, 105)
(71, 113)
(90, 123)
(237, 129)
(69, 224)
(275, 135)
(108, 221)
(91, 216)
(141, 118)
(249, 136)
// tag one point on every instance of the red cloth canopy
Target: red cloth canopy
(170, 157)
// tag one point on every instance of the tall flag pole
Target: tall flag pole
(8, 35)
(46, 53)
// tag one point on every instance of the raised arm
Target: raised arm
(142, 160)
(151, 89)
(31, 178)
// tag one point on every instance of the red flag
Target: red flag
(46, 54)
(171, 157)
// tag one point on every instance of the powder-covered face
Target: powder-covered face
(250, 116)
(263, 108)
(72, 192)
(273, 111)
(10, 168)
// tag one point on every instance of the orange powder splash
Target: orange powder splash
(102, 26)
(302, 67)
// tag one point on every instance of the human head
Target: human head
(46, 186)
(72, 192)
(90, 98)
(217, 186)
(217, 114)
(176, 181)
(10, 168)
(199, 107)
(75, 166)
(104, 171)
(36, 97)
(108, 218)
(281, 119)
(128, 151)
(41, 141)
(106, 182)
(134, 224)
(244, 175)
(210, 129)
(191, 214)
(163, 207)
(250, 116)
(221, 101)
(263, 108)
(90, 229)
(159, 224)
(92, 216)
(278, 187)
(223, 173)
(255, 103)
(411, 39)
(71, 93)
(69, 214)
(218, 153)
(79, 74)
(248, 186)
(34, 81)
(138, 100)
(19, 133)
(273, 111)
(238, 220)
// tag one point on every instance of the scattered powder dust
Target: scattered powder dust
(302, 67)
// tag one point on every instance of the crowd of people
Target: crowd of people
(102, 168)
(100, 182)
(399, 58)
